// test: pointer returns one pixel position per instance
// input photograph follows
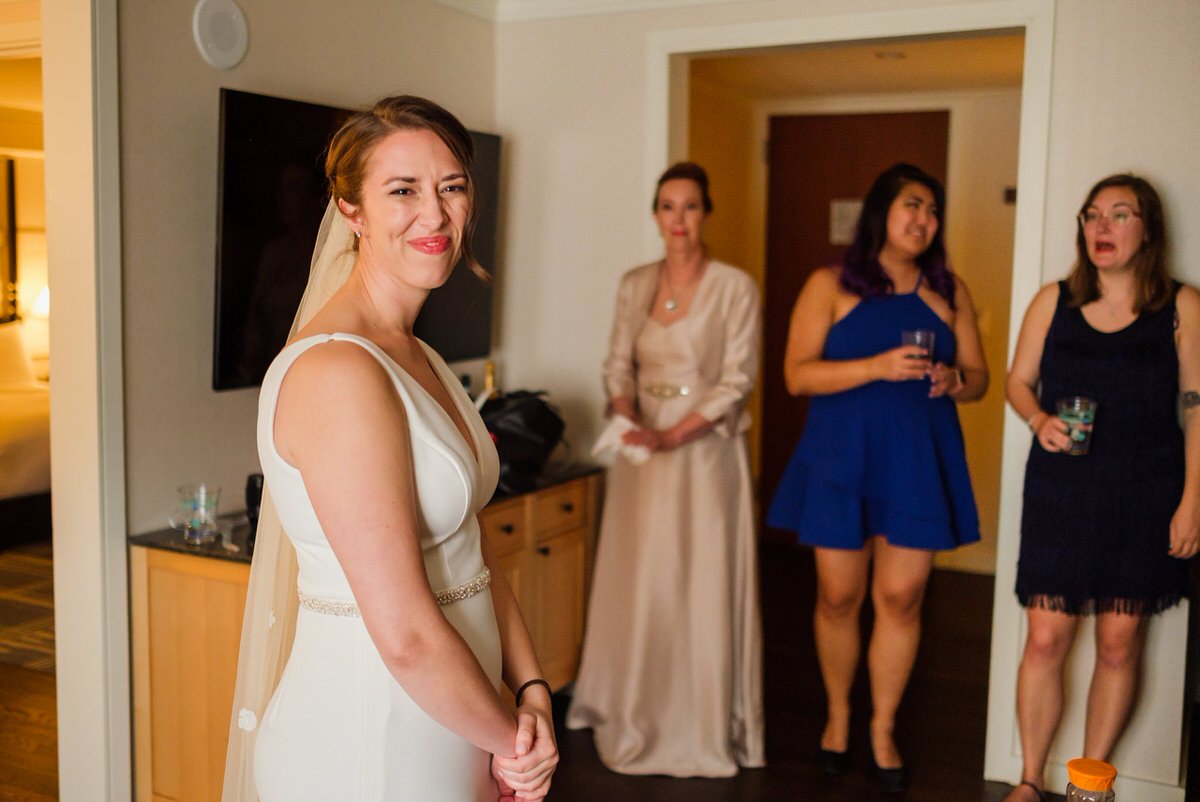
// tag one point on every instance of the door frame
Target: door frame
(666, 96)
(87, 433)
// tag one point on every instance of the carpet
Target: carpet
(27, 606)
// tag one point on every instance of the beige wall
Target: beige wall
(722, 137)
(20, 131)
(21, 140)
(979, 237)
(178, 429)
(32, 275)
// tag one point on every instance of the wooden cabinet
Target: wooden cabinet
(545, 541)
(186, 617)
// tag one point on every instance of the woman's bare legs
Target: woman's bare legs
(841, 587)
(1119, 640)
(897, 590)
(1040, 693)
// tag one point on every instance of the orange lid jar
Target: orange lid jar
(1091, 781)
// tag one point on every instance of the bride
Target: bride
(377, 465)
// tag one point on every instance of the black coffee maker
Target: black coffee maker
(254, 489)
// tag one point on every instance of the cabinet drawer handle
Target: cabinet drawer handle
(568, 507)
(507, 528)
(544, 551)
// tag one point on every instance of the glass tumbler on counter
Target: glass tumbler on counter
(196, 517)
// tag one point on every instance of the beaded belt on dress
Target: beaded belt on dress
(442, 597)
(666, 390)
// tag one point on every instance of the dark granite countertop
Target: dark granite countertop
(235, 527)
(231, 546)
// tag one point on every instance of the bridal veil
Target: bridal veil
(269, 623)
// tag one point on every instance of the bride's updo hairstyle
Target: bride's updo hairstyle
(351, 147)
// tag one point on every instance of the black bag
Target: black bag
(526, 429)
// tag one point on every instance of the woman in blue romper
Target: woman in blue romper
(880, 474)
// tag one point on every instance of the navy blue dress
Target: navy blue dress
(883, 458)
(1095, 528)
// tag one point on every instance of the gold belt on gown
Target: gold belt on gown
(662, 390)
(349, 609)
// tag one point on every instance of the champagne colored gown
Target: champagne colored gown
(671, 676)
(339, 726)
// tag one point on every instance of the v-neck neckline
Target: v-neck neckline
(471, 438)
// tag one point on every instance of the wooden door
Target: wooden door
(815, 159)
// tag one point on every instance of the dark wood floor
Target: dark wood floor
(942, 721)
(28, 736)
(941, 727)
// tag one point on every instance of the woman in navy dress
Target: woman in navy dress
(1107, 533)
(880, 474)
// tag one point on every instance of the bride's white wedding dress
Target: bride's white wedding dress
(339, 726)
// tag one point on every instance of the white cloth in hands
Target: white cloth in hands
(611, 439)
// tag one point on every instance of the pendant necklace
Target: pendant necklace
(671, 304)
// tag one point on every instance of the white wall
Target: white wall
(178, 429)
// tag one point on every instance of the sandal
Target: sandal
(1041, 795)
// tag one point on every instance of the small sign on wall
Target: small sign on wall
(843, 217)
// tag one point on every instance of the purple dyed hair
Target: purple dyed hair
(862, 274)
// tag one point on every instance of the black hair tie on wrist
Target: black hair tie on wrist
(522, 689)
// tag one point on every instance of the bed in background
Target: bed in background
(24, 443)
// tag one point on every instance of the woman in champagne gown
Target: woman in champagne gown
(377, 465)
(671, 675)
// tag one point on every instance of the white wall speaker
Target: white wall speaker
(219, 28)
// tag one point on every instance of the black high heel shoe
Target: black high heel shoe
(834, 764)
(892, 780)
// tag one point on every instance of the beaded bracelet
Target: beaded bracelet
(521, 691)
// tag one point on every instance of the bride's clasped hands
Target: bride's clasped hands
(526, 775)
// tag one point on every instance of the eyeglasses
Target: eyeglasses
(1118, 218)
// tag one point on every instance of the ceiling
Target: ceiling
(21, 83)
(925, 65)
(965, 63)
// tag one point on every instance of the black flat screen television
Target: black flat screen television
(271, 195)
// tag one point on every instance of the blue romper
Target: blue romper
(882, 458)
